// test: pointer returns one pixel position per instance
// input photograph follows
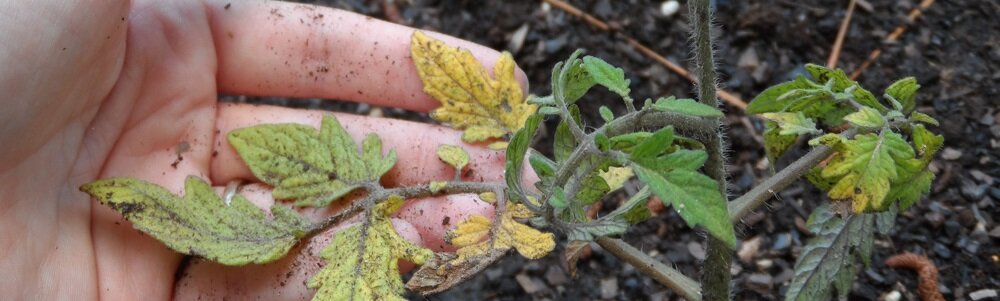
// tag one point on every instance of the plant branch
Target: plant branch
(675, 280)
(377, 194)
(762, 192)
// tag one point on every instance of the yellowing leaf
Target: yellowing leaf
(200, 223)
(616, 176)
(311, 167)
(865, 167)
(362, 260)
(470, 100)
(792, 124)
(453, 155)
(866, 117)
(436, 186)
(530, 243)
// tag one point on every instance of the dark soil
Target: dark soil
(953, 50)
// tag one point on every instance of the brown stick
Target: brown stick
(839, 42)
(911, 18)
(928, 273)
(729, 98)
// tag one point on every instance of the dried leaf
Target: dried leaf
(530, 243)
(362, 260)
(200, 223)
(485, 108)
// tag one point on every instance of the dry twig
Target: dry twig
(839, 42)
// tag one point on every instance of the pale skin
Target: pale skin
(97, 89)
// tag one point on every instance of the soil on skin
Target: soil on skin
(953, 50)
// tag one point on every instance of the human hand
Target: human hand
(130, 89)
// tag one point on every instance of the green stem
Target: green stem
(670, 277)
(715, 275)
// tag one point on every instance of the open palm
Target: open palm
(115, 88)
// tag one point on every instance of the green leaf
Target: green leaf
(577, 81)
(541, 101)
(914, 177)
(694, 196)
(682, 159)
(768, 101)
(601, 227)
(829, 257)
(866, 117)
(548, 111)
(362, 261)
(313, 168)
(200, 223)
(606, 114)
(606, 75)
(865, 167)
(904, 91)
(544, 167)
(634, 209)
(454, 155)
(592, 189)
(792, 124)
(687, 107)
(921, 117)
(515, 155)
(775, 144)
(841, 83)
(564, 142)
(650, 148)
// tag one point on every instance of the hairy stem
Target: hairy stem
(670, 277)
(715, 275)
(749, 201)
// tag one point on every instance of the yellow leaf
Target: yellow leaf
(530, 243)
(616, 176)
(470, 100)
(362, 260)
(453, 155)
(488, 197)
(436, 186)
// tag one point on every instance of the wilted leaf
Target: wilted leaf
(606, 75)
(686, 106)
(200, 223)
(866, 117)
(485, 108)
(454, 155)
(828, 259)
(530, 243)
(362, 260)
(792, 124)
(312, 167)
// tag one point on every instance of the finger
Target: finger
(301, 50)
(415, 144)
